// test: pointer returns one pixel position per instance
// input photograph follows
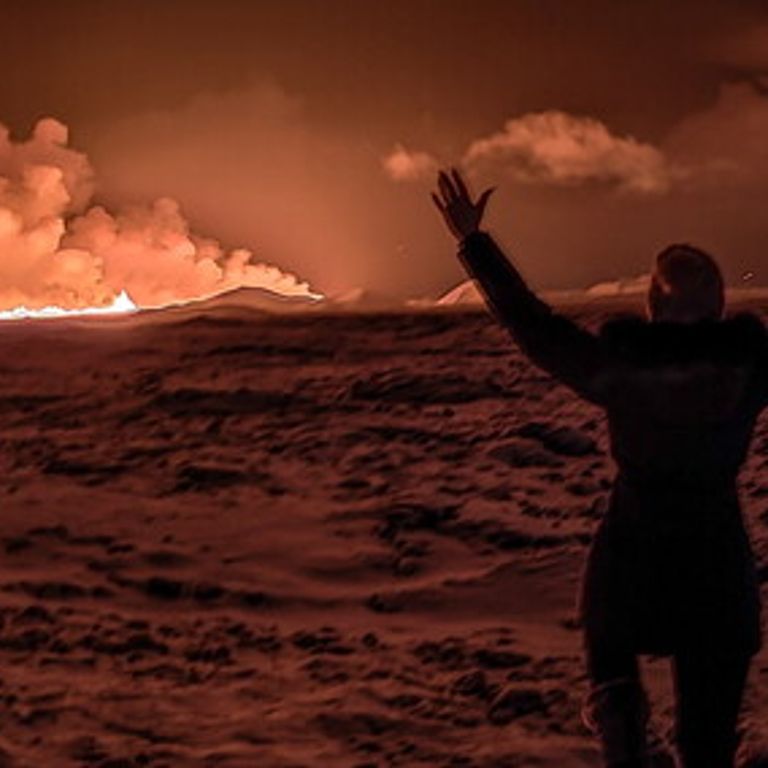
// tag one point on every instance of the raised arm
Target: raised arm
(552, 341)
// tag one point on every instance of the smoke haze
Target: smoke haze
(58, 249)
(309, 133)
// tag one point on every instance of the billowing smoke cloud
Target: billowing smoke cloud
(402, 164)
(557, 148)
(56, 250)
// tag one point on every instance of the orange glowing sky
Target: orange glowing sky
(308, 132)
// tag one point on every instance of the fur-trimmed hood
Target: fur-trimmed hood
(736, 340)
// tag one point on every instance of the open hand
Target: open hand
(462, 216)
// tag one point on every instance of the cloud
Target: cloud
(56, 249)
(552, 148)
(557, 148)
(725, 144)
(744, 49)
(402, 164)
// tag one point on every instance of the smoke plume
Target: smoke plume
(56, 248)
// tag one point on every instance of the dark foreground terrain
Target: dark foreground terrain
(230, 539)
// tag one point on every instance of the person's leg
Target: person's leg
(609, 660)
(709, 688)
(616, 707)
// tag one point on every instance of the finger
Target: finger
(459, 182)
(483, 201)
(446, 188)
(438, 203)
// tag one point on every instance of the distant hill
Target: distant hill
(463, 293)
(259, 299)
(256, 298)
(238, 300)
(621, 287)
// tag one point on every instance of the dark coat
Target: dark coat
(671, 564)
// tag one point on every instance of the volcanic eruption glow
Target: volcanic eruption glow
(62, 255)
(122, 304)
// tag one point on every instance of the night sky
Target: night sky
(272, 124)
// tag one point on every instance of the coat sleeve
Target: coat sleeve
(552, 341)
(755, 333)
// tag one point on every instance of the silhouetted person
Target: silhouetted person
(670, 570)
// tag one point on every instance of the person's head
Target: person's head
(686, 286)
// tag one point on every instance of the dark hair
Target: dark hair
(686, 285)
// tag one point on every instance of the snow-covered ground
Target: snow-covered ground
(239, 539)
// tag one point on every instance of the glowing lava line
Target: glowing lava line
(123, 304)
